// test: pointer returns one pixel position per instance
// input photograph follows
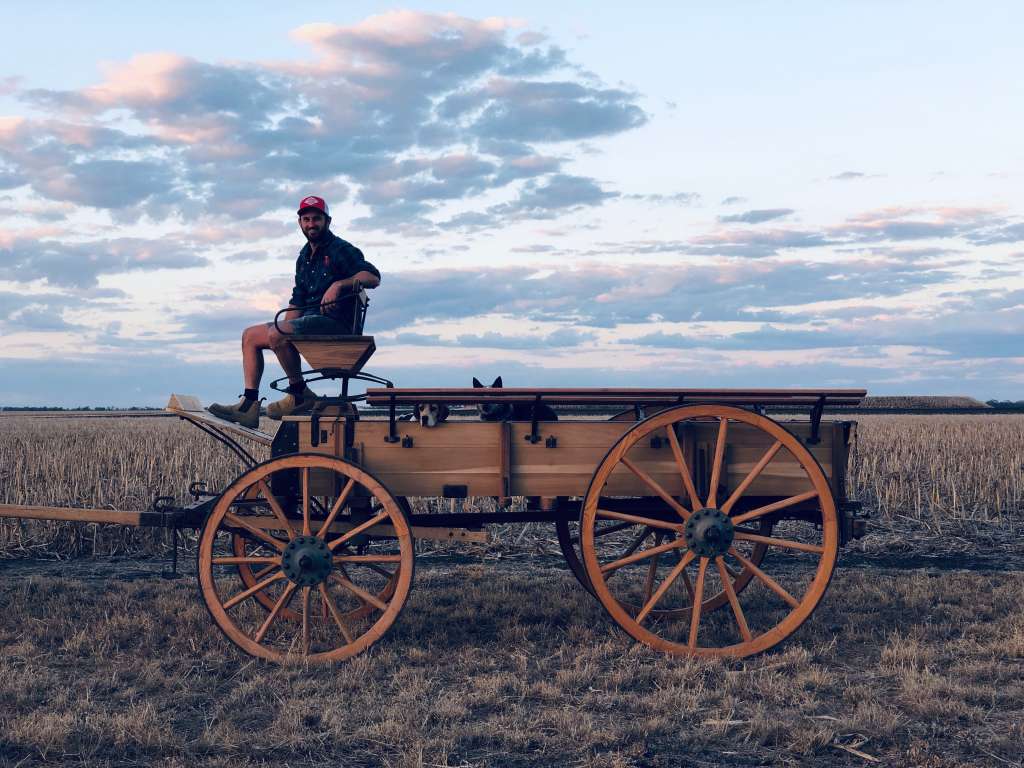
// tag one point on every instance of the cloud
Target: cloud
(852, 176)
(247, 256)
(79, 265)
(602, 296)
(546, 199)
(757, 216)
(679, 198)
(461, 101)
(733, 200)
(218, 324)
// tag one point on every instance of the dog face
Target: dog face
(431, 414)
(493, 411)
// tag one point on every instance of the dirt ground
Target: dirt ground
(509, 663)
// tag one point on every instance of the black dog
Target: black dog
(511, 411)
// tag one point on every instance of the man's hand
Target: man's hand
(337, 289)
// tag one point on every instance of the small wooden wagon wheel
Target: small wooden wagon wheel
(645, 586)
(343, 569)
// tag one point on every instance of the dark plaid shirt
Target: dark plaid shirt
(335, 259)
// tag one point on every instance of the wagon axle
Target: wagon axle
(709, 532)
(307, 561)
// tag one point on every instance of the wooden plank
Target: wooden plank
(470, 454)
(456, 453)
(191, 409)
(435, 533)
(615, 395)
(184, 403)
(114, 516)
(348, 353)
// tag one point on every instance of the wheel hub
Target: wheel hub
(709, 532)
(307, 561)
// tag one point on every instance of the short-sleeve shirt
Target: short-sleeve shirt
(335, 259)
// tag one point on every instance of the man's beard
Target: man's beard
(318, 236)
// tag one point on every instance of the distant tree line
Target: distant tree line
(93, 408)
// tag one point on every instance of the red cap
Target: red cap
(314, 202)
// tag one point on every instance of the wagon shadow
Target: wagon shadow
(478, 605)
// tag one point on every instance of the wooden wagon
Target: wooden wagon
(702, 525)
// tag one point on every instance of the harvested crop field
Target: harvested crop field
(915, 657)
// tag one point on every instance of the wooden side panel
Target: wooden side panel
(783, 476)
(494, 459)
(566, 469)
(453, 453)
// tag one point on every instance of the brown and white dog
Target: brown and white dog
(431, 414)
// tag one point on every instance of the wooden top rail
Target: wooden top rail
(615, 396)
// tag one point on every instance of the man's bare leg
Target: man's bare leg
(286, 353)
(257, 338)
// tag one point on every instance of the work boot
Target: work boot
(248, 418)
(286, 405)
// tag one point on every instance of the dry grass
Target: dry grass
(510, 668)
(940, 469)
(937, 473)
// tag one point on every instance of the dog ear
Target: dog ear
(476, 383)
(497, 382)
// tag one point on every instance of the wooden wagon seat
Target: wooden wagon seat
(335, 354)
(616, 396)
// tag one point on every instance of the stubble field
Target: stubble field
(504, 660)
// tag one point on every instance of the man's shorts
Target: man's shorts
(312, 323)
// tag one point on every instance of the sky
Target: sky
(694, 194)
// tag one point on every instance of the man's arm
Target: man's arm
(348, 285)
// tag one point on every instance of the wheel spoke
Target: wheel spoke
(776, 542)
(751, 476)
(768, 581)
(328, 601)
(605, 531)
(338, 504)
(276, 507)
(368, 558)
(250, 560)
(278, 606)
(276, 543)
(774, 506)
(663, 587)
(741, 620)
(232, 602)
(684, 470)
(688, 584)
(306, 529)
(698, 600)
(651, 483)
(264, 571)
(305, 620)
(361, 593)
(636, 557)
(607, 513)
(357, 530)
(652, 571)
(716, 469)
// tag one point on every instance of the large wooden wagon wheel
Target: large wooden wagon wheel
(341, 570)
(644, 581)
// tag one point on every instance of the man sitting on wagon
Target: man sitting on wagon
(329, 273)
